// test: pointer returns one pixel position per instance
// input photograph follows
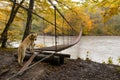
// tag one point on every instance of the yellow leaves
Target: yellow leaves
(42, 7)
(1, 27)
(39, 45)
(5, 10)
(19, 19)
(89, 24)
(75, 16)
(13, 35)
(110, 7)
(49, 29)
(3, 16)
(3, 19)
(79, 17)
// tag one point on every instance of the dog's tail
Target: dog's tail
(20, 53)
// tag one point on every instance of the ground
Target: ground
(70, 70)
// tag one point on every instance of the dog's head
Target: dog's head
(33, 36)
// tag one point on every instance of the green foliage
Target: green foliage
(118, 60)
(111, 27)
(110, 60)
(87, 56)
(103, 62)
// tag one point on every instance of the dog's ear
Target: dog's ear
(31, 36)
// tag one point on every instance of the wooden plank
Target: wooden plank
(28, 62)
(54, 48)
(24, 67)
(47, 53)
(57, 54)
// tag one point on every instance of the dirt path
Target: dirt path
(71, 70)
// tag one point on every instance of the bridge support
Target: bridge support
(56, 59)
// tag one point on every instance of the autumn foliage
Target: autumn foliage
(97, 17)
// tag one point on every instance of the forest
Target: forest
(18, 18)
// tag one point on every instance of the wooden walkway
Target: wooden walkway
(54, 48)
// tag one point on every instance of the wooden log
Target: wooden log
(48, 53)
(57, 58)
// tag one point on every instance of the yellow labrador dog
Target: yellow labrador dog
(28, 42)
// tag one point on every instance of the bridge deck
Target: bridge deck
(53, 48)
(58, 48)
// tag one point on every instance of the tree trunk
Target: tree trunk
(29, 19)
(12, 16)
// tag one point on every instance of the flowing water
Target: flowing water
(96, 48)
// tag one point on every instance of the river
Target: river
(98, 48)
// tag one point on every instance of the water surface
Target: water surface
(98, 48)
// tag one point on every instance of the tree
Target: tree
(76, 17)
(109, 7)
(29, 19)
(12, 16)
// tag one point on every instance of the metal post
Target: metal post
(55, 28)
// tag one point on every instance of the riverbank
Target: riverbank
(70, 70)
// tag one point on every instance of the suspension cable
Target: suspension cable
(60, 13)
(63, 31)
(43, 34)
(33, 13)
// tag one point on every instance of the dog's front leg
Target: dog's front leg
(32, 47)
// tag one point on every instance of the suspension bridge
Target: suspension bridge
(50, 53)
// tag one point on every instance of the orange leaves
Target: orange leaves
(74, 14)
(79, 17)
